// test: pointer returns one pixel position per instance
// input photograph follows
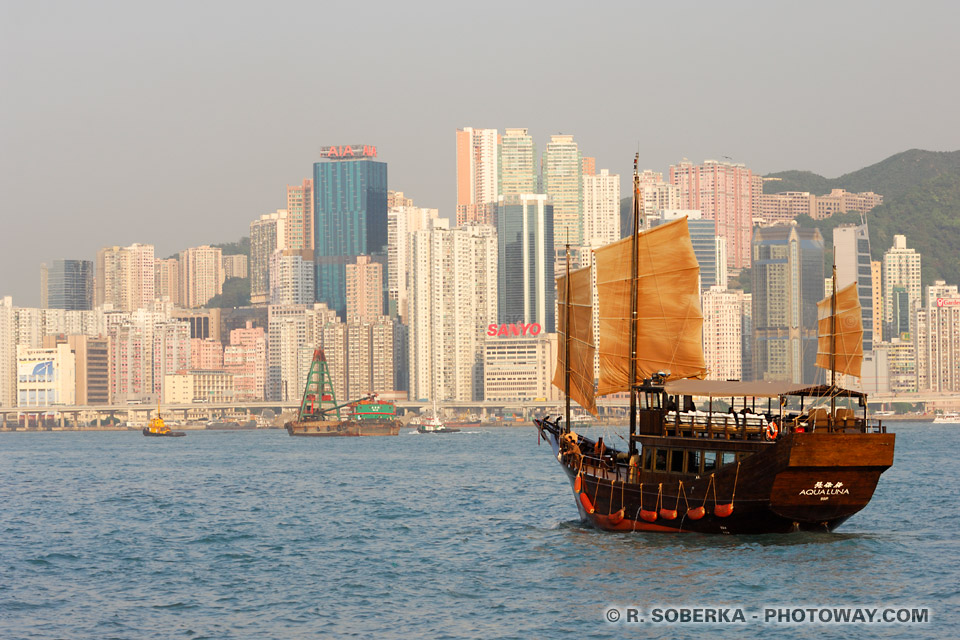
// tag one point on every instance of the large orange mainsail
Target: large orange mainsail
(669, 318)
(581, 337)
(846, 345)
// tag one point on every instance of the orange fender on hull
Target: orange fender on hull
(649, 516)
(616, 517)
(696, 514)
(578, 484)
(585, 501)
(723, 510)
(668, 514)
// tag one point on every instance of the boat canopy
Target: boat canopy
(755, 389)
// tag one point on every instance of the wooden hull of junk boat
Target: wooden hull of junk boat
(333, 428)
(802, 482)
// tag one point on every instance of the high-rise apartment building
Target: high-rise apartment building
(852, 254)
(562, 176)
(299, 226)
(655, 195)
(477, 174)
(937, 339)
(70, 285)
(201, 275)
(350, 213)
(525, 259)
(266, 236)
(453, 297)
(125, 277)
(8, 353)
(722, 337)
(901, 269)
(235, 266)
(876, 278)
(787, 277)
(364, 290)
(167, 280)
(403, 219)
(206, 353)
(726, 194)
(291, 277)
(787, 205)
(517, 164)
(246, 358)
(601, 208)
(287, 332)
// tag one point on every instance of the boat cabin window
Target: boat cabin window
(693, 461)
(728, 457)
(648, 458)
(709, 461)
(676, 461)
(661, 460)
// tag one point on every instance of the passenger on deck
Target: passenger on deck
(600, 449)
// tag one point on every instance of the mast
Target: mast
(833, 334)
(566, 349)
(633, 303)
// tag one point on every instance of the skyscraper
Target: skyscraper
(266, 236)
(350, 217)
(725, 193)
(787, 284)
(201, 275)
(852, 254)
(403, 219)
(722, 338)
(8, 353)
(704, 240)
(364, 290)
(291, 277)
(477, 174)
(525, 257)
(562, 176)
(901, 269)
(299, 227)
(601, 208)
(70, 285)
(517, 164)
(125, 277)
(167, 280)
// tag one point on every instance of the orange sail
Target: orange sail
(581, 337)
(669, 318)
(847, 345)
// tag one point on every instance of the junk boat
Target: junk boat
(158, 429)
(319, 413)
(800, 463)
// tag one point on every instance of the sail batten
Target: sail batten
(846, 346)
(669, 319)
(582, 348)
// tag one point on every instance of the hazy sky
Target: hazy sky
(176, 123)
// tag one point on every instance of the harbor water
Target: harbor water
(253, 534)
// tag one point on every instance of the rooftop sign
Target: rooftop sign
(948, 302)
(349, 151)
(514, 330)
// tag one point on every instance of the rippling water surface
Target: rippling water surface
(253, 534)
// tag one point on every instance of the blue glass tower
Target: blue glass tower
(350, 217)
(525, 280)
(70, 285)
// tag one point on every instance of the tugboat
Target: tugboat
(319, 413)
(158, 429)
(435, 425)
(786, 468)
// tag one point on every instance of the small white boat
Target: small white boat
(947, 417)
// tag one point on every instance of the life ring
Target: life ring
(772, 431)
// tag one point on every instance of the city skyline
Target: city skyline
(191, 142)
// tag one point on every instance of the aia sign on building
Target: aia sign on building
(514, 330)
(348, 151)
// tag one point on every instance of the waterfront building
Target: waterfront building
(167, 280)
(726, 194)
(787, 283)
(8, 353)
(364, 290)
(453, 297)
(477, 175)
(46, 376)
(125, 277)
(937, 339)
(403, 219)
(350, 213)
(722, 337)
(267, 235)
(69, 285)
(198, 385)
(851, 246)
(562, 179)
(171, 352)
(901, 270)
(201, 275)
(901, 363)
(144, 346)
(517, 163)
(92, 366)
(286, 333)
(246, 359)
(299, 225)
(601, 208)
(519, 369)
(525, 259)
(291, 277)
(235, 266)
